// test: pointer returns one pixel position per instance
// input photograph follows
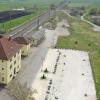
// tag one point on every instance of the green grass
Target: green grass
(42, 6)
(87, 40)
(91, 3)
(8, 5)
(6, 26)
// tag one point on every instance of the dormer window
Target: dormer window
(14, 62)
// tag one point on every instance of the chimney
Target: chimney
(1, 36)
(9, 38)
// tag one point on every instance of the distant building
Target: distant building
(74, 11)
(10, 59)
(95, 17)
(25, 45)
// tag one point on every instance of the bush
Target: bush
(85, 95)
(46, 70)
(89, 44)
(76, 42)
(43, 77)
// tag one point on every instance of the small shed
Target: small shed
(25, 43)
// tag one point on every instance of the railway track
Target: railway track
(28, 27)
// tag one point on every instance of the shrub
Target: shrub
(43, 77)
(76, 42)
(89, 44)
(46, 70)
(85, 95)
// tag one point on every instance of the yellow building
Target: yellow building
(26, 44)
(10, 59)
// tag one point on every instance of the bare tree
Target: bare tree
(18, 91)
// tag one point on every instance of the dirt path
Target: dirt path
(61, 29)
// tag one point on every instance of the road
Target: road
(95, 27)
(33, 62)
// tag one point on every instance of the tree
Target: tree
(52, 7)
(93, 11)
(18, 91)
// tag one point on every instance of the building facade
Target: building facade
(10, 60)
(26, 44)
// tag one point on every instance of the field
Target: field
(8, 15)
(91, 3)
(83, 38)
(8, 4)
(15, 22)
(37, 6)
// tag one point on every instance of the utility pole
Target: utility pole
(38, 21)
(3, 24)
(49, 12)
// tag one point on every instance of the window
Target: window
(14, 62)
(10, 75)
(2, 68)
(18, 67)
(22, 51)
(2, 78)
(15, 56)
(10, 66)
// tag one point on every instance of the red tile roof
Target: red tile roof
(22, 40)
(8, 48)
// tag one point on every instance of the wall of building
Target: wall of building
(25, 49)
(12, 67)
(3, 71)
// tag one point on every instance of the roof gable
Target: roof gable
(22, 40)
(8, 48)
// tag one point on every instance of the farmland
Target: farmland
(8, 5)
(37, 7)
(88, 3)
(15, 22)
(8, 15)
